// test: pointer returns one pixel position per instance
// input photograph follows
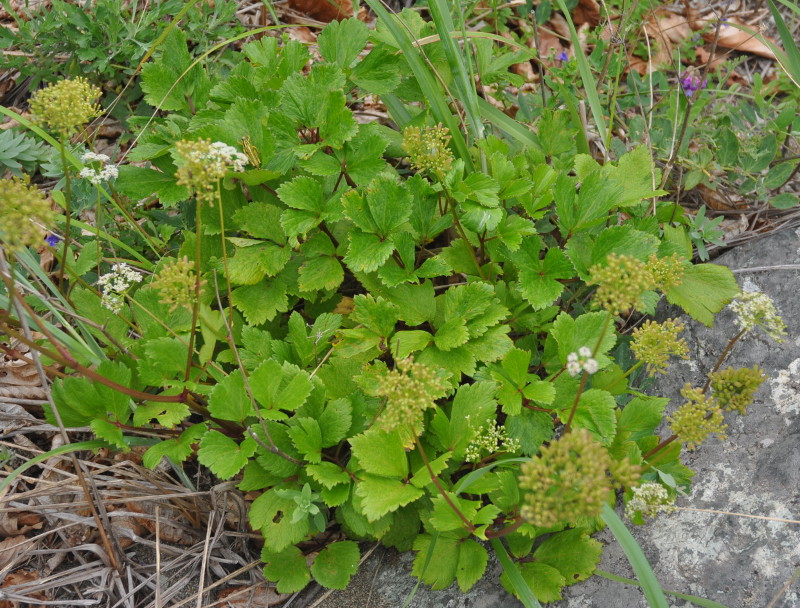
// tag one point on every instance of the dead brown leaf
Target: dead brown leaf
(252, 597)
(18, 376)
(323, 10)
(172, 525)
(11, 549)
(14, 524)
(587, 11)
(666, 29)
(21, 577)
(733, 38)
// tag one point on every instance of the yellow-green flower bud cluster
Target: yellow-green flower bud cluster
(572, 478)
(734, 388)
(698, 418)
(667, 272)
(621, 281)
(428, 149)
(65, 106)
(175, 283)
(648, 500)
(756, 309)
(204, 163)
(21, 206)
(654, 343)
(490, 438)
(409, 390)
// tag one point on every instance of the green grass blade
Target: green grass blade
(589, 84)
(792, 65)
(698, 601)
(515, 576)
(425, 79)
(455, 57)
(514, 129)
(428, 558)
(95, 444)
(647, 578)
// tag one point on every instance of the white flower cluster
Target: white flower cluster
(104, 173)
(756, 309)
(114, 284)
(222, 156)
(649, 499)
(581, 361)
(489, 439)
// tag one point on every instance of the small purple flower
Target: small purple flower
(562, 56)
(52, 239)
(691, 82)
(724, 24)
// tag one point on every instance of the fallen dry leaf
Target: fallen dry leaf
(15, 524)
(21, 577)
(252, 597)
(665, 29)
(11, 549)
(731, 37)
(587, 11)
(323, 10)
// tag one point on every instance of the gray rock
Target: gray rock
(736, 561)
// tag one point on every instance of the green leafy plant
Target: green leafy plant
(416, 337)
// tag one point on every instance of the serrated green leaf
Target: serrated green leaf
(320, 273)
(229, 399)
(166, 414)
(531, 429)
(287, 568)
(472, 562)
(442, 567)
(176, 450)
(261, 302)
(382, 495)
(222, 455)
(139, 183)
(381, 453)
(572, 552)
(595, 413)
(110, 432)
(545, 581)
(704, 291)
(335, 421)
(307, 438)
(473, 405)
(272, 514)
(336, 564)
(641, 416)
(444, 519)
(341, 41)
(277, 386)
(367, 252)
(328, 474)
(585, 330)
(404, 343)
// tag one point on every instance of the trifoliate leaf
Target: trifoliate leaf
(513, 229)
(704, 291)
(531, 429)
(164, 358)
(166, 414)
(367, 252)
(539, 279)
(442, 568)
(641, 416)
(277, 386)
(261, 302)
(377, 315)
(287, 568)
(328, 474)
(545, 581)
(336, 564)
(342, 41)
(335, 421)
(362, 156)
(229, 399)
(382, 495)
(444, 519)
(472, 561)
(586, 330)
(80, 400)
(307, 438)
(572, 552)
(381, 453)
(139, 183)
(637, 174)
(272, 514)
(223, 455)
(595, 413)
(177, 450)
(406, 342)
